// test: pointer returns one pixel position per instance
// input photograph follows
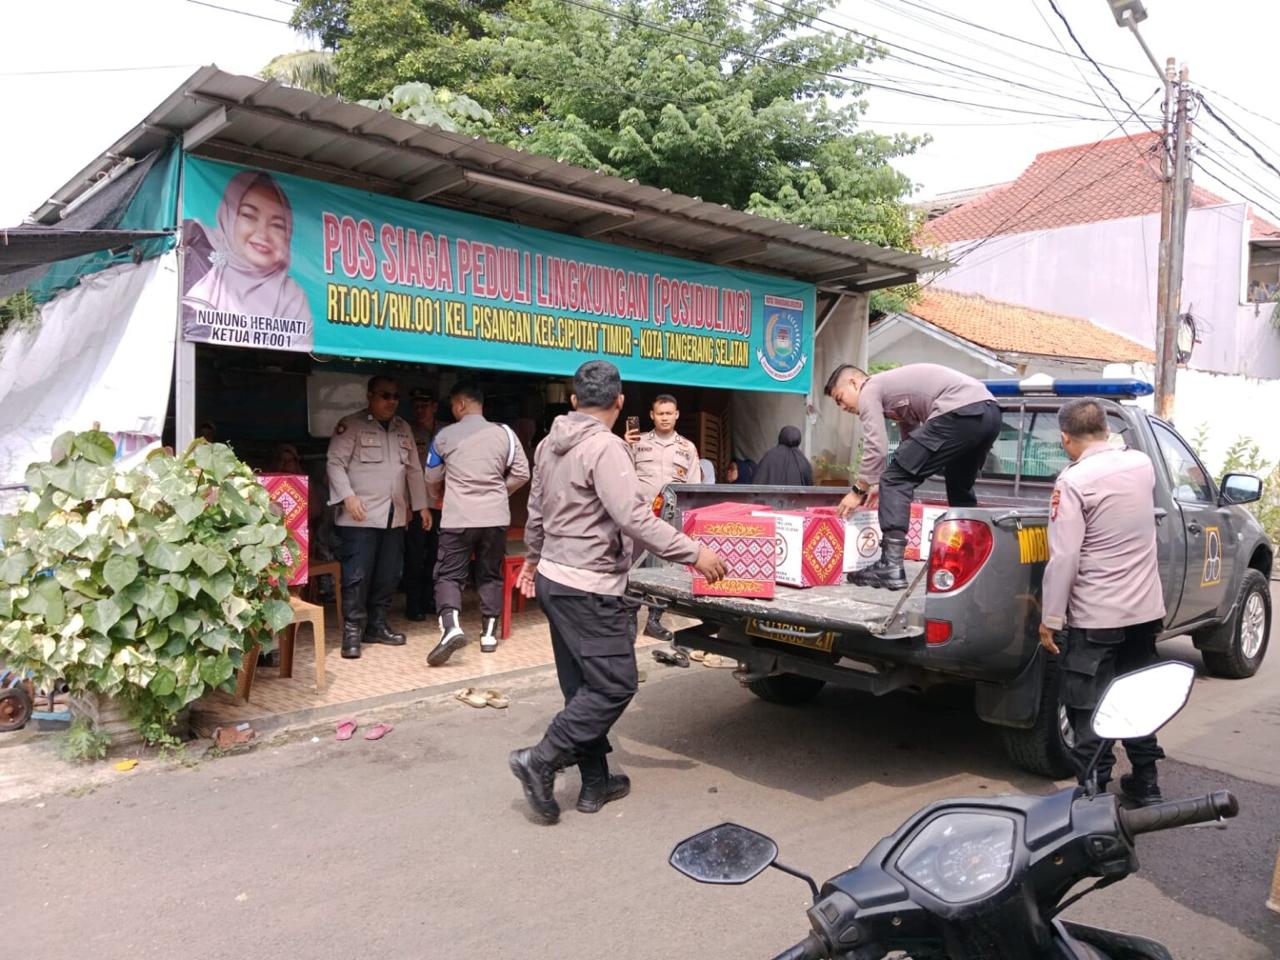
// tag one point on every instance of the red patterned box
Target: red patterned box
(810, 546)
(289, 491)
(747, 545)
(920, 530)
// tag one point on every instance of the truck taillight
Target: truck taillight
(958, 551)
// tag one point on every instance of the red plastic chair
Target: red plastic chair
(510, 572)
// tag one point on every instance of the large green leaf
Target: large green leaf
(65, 537)
(119, 572)
(166, 556)
(209, 559)
(15, 567)
(95, 446)
(164, 682)
(278, 614)
(215, 671)
(156, 638)
(255, 558)
(274, 535)
(45, 601)
(101, 615)
(219, 586)
(187, 507)
(172, 530)
(218, 639)
(126, 628)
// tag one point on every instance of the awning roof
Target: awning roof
(32, 246)
(261, 123)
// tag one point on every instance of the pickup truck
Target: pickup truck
(971, 613)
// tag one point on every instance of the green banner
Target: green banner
(287, 263)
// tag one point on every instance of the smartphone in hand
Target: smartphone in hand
(633, 424)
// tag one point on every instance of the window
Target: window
(1042, 455)
(1190, 481)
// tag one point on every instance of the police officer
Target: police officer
(948, 423)
(1102, 584)
(478, 465)
(419, 543)
(587, 520)
(661, 456)
(376, 478)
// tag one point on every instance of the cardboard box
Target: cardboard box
(920, 532)
(747, 545)
(861, 540)
(810, 546)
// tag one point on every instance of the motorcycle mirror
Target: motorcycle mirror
(724, 854)
(1138, 704)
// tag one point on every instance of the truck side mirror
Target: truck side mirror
(1240, 488)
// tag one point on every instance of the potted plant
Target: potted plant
(141, 589)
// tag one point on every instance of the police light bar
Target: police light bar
(1044, 386)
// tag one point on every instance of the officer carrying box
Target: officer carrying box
(376, 479)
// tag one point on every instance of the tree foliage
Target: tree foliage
(741, 104)
(312, 70)
(146, 585)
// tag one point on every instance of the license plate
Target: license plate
(820, 640)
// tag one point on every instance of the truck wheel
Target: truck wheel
(788, 689)
(1044, 748)
(15, 709)
(1242, 640)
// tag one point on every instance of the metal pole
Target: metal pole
(1177, 247)
(184, 359)
(1166, 219)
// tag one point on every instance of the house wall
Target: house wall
(1106, 272)
(916, 347)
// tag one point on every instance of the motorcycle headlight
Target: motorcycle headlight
(960, 856)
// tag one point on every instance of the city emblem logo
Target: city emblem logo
(783, 356)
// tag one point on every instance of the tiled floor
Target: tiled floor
(381, 670)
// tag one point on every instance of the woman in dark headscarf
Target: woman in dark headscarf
(741, 471)
(785, 465)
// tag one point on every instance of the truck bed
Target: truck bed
(843, 608)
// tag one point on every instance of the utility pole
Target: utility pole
(1166, 221)
(1177, 245)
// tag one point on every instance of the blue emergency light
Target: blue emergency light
(1044, 386)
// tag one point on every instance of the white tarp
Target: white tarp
(101, 352)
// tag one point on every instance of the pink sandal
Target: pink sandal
(346, 728)
(378, 731)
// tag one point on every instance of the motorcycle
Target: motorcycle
(985, 878)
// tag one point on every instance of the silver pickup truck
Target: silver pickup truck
(972, 612)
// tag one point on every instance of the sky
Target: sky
(76, 75)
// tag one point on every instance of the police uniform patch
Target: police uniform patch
(1053, 503)
(680, 472)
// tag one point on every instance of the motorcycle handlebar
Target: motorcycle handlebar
(810, 948)
(1180, 813)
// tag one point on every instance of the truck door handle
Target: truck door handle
(1161, 513)
(1194, 528)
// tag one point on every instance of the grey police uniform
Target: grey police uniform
(1102, 585)
(378, 464)
(658, 462)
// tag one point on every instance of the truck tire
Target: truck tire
(1044, 748)
(1241, 639)
(788, 689)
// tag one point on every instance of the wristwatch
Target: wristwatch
(859, 489)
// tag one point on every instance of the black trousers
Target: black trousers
(593, 637)
(420, 549)
(489, 544)
(371, 563)
(1091, 659)
(955, 444)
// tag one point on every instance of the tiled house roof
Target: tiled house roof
(1007, 327)
(1089, 183)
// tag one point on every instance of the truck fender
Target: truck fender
(1013, 704)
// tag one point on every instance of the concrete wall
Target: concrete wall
(1106, 272)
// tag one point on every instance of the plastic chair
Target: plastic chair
(511, 566)
(309, 613)
(316, 570)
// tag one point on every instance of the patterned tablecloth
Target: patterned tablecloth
(289, 491)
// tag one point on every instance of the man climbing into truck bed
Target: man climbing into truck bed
(948, 423)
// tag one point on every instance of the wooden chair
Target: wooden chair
(316, 570)
(303, 612)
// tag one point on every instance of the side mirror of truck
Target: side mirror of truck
(1240, 488)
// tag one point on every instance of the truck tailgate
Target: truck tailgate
(843, 608)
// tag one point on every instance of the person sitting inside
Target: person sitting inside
(785, 465)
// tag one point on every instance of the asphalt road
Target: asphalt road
(418, 846)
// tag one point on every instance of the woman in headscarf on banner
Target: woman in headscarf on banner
(249, 255)
(785, 465)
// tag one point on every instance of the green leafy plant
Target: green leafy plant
(83, 743)
(1245, 456)
(146, 585)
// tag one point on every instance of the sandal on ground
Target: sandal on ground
(698, 655)
(471, 697)
(674, 658)
(715, 660)
(378, 731)
(346, 728)
(495, 699)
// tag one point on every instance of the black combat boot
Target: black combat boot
(536, 768)
(451, 639)
(351, 632)
(653, 627)
(379, 632)
(886, 573)
(599, 786)
(1142, 786)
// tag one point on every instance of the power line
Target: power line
(243, 13)
(1211, 175)
(49, 73)
(1231, 130)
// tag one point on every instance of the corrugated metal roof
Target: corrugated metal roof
(261, 123)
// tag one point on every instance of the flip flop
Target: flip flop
(673, 658)
(495, 699)
(378, 731)
(346, 728)
(715, 660)
(697, 655)
(471, 697)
